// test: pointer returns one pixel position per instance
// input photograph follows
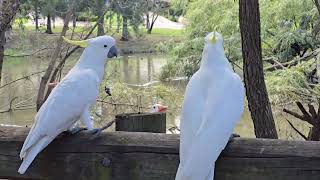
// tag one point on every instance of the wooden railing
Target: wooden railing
(151, 156)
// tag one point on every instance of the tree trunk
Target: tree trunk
(36, 11)
(101, 28)
(54, 21)
(256, 90)
(316, 28)
(100, 9)
(49, 30)
(118, 22)
(317, 4)
(148, 21)
(125, 32)
(74, 18)
(10, 8)
(110, 20)
(154, 18)
(2, 43)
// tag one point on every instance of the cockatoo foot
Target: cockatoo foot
(75, 130)
(95, 131)
(234, 136)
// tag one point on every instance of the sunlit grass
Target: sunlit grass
(166, 32)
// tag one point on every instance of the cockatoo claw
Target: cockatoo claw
(75, 130)
(233, 136)
(95, 132)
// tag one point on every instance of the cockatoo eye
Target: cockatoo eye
(105, 46)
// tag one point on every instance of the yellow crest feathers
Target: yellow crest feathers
(213, 38)
(83, 43)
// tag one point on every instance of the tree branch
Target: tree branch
(24, 77)
(24, 55)
(296, 115)
(295, 129)
(294, 62)
(305, 113)
(312, 111)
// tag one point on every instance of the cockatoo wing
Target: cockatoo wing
(223, 108)
(60, 111)
(192, 111)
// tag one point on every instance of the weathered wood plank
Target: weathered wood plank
(141, 122)
(139, 156)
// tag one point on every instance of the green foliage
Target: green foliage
(87, 16)
(282, 84)
(49, 7)
(289, 85)
(286, 30)
(132, 10)
(203, 17)
(287, 24)
(288, 41)
(178, 8)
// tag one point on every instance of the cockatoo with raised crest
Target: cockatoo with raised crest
(213, 104)
(71, 99)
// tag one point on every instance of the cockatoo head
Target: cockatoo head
(213, 51)
(158, 108)
(214, 39)
(102, 46)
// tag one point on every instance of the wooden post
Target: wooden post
(143, 122)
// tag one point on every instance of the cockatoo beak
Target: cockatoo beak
(113, 52)
(83, 43)
(162, 108)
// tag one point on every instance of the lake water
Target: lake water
(137, 72)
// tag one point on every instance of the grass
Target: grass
(166, 32)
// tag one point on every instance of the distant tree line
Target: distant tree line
(120, 17)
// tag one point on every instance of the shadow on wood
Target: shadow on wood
(146, 156)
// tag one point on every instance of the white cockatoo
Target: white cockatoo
(71, 99)
(213, 104)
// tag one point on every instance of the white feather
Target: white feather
(214, 102)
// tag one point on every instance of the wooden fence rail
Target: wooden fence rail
(146, 156)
